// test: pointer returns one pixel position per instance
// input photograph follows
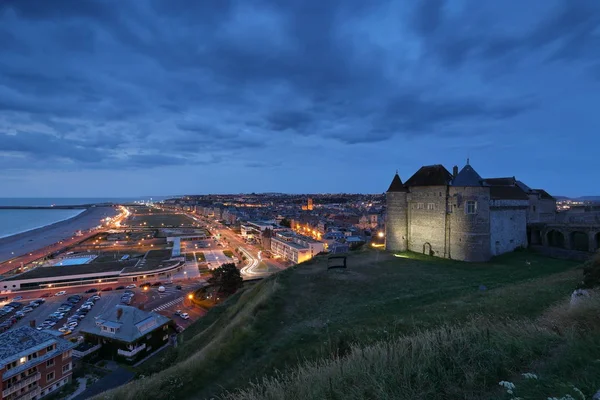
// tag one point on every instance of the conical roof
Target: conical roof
(397, 185)
(467, 177)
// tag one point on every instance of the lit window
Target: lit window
(420, 206)
(23, 360)
(470, 207)
(431, 206)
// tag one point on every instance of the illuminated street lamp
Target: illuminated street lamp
(380, 234)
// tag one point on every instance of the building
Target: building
(295, 248)
(33, 363)
(128, 333)
(461, 215)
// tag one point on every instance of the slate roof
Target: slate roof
(131, 325)
(543, 194)
(430, 175)
(467, 177)
(507, 193)
(511, 181)
(397, 185)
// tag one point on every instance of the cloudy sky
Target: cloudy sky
(128, 98)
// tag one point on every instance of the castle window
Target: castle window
(431, 206)
(420, 206)
(470, 207)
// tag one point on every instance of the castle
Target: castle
(461, 215)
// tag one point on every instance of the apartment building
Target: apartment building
(33, 363)
(295, 248)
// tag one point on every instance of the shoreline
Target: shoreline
(35, 239)
(42, 226)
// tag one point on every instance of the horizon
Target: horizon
(294, 97)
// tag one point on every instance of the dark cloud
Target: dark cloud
(109, 84)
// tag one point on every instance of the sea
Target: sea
(14, 221)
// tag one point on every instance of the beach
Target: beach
(27, 242)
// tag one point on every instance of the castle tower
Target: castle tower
(396, 218)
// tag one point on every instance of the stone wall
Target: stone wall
(508, 225)
(469, 233)
(395, 222)
(427, 220)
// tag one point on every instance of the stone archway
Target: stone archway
(427, 249)
(580, 241)
(556, 239)
(535, 236)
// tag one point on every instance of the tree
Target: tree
(226, 279)
(286, 222)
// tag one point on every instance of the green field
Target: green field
(160, 220)
(388, 328)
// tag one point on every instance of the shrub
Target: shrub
(591, 273)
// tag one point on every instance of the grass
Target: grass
(386, 327)
(200, 256)
(228, 253)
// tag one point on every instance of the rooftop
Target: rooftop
(430, 175)
(22, 341)
(81, 269)
(130, 323)
(397, 185)
(467, 177)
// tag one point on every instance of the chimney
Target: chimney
(455, 171)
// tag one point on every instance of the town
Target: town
(122, 291)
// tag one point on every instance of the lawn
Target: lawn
(468, 325)
(160, 220)
(228, 253)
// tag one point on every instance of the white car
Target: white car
(61, 293)
(72, 324)
(161, 289)
(184, 315)
(132, 286)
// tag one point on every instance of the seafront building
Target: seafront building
(295, 248)
(33, 363)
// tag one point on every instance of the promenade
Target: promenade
(36, 243)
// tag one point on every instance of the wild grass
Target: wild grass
(446, 363)
(478, 321)
(198, 354)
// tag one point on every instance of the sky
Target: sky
(160, 97)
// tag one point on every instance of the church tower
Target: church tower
(396, 228)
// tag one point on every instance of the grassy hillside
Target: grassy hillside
(387, 327)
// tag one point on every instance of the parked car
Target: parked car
(132, 286)
(40, 301)
(27, 309)
(178, 287)
(178, 312)
(14, 304)
(61, 293)
(18, 298)
(184, 315)
(161, 289)
(92, 290)
(95, 298)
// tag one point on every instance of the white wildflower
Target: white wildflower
(507, 385)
